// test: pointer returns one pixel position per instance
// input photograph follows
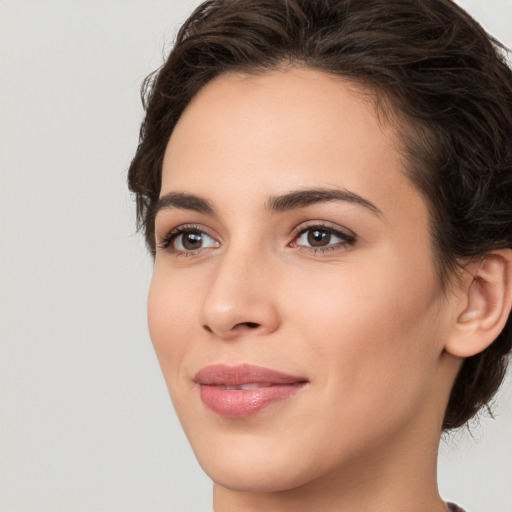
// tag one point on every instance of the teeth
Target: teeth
(242, 387)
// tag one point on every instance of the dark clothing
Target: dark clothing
(455, 508)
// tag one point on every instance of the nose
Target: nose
(241, 299)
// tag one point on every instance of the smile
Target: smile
(244, 390)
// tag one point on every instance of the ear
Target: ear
(485, 306)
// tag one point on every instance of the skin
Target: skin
(366, 323)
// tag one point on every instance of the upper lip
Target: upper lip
(223, 375)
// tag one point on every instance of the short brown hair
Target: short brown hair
(446, 79)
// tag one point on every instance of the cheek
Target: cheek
(373, 335)
(170, 317)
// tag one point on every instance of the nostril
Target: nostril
(246, 325)
(231, 329)
(241, 325)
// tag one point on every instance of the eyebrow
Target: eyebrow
(184, 201)
(302, 198)
(275, 204)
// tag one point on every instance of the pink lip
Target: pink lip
(265, 387)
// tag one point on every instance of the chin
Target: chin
(253, 466)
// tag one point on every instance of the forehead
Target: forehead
(249, 136)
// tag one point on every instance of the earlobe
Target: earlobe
(486, 305)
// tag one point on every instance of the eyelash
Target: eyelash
(347, 238)
(172, 235)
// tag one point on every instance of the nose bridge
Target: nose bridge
(240, 297)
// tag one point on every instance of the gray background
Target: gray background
(86, 424)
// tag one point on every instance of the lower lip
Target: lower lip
(241, 403)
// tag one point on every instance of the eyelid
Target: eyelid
(322, 224)
(347, 236)
(166, 241)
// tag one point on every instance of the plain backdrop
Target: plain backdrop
(86, 424)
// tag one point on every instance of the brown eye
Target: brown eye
(324, 238)
(192, 240)
(318, 237)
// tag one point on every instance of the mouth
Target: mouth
(244, 390)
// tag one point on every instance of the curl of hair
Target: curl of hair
(427, 63)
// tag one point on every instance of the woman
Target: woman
(326, 189)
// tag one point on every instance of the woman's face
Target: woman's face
(294, 306)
